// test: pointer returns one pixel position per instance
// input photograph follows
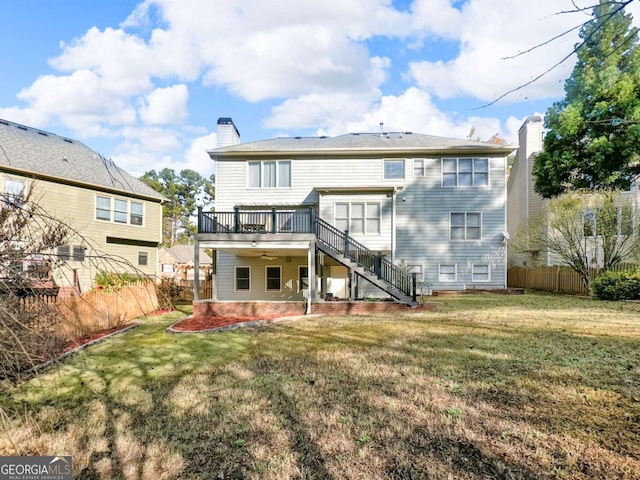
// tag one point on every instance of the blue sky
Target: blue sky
(144, 82)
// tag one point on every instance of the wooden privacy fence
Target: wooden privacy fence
(554, 279)
(186, 290)
(98, 309)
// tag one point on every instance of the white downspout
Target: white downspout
(393, 226)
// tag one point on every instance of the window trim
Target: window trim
(423, 168)
(473, 172)
(103, 209)
(112, 210)
(266, 278)
(235, 278)
(465, 227)
(365, 219)
(404, 169)
(473, 273)
(416, 268)
(262, 171)
(78, 253)
(15, 196)
(146, 255)
(64, 253)
(455, 272)
(593, 213)
(300, 277)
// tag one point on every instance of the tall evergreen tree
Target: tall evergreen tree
(593, 138)
(184, 190)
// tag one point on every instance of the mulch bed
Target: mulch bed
(195, 324)
(78, 342)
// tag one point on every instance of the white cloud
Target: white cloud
(166, 105)
(196, 157)
(493, 29)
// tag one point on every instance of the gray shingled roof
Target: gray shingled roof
(353, 142)
(32, 151)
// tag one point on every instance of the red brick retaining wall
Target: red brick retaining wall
(208, 308)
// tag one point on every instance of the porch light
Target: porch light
(253, 244)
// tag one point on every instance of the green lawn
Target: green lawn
(488, 386)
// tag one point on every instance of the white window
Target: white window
(167, 268)
(394, 169)
(274, 278)
(358, 217)
(419, 167)
(271, 174)
(103, 208)
(592, 226)
(120, 211)
(465, 172)
(137, 213)
(243, 279)
(14, 191)
(417, 269)
(447, 272)
(480, 272)
(303, 277)
(124, 211)
(465, 226)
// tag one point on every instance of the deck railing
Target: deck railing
(305, 221)
(274, 221)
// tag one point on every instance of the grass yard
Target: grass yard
(515, 387)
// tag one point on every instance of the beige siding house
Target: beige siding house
(355, 216)
(116, 217)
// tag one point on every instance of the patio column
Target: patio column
(196, 269)
(214, 275)
(311, 269)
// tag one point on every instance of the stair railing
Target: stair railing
(371, 261)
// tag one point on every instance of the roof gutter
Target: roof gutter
(92, 186)
(357, 153)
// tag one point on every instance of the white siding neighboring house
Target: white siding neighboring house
(115, 215)
(523, 202)
(418, 203)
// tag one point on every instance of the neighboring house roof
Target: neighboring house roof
(184, 254)
(359, 143)
(32, 152)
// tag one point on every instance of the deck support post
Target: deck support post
(414, 286)
(196, 269)
(311, 269)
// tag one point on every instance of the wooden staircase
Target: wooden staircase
(370, 265)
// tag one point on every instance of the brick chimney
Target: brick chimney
(228, 134)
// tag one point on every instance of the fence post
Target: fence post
(310, 219)
(199, 219)
(378, 265)
(236, 219)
